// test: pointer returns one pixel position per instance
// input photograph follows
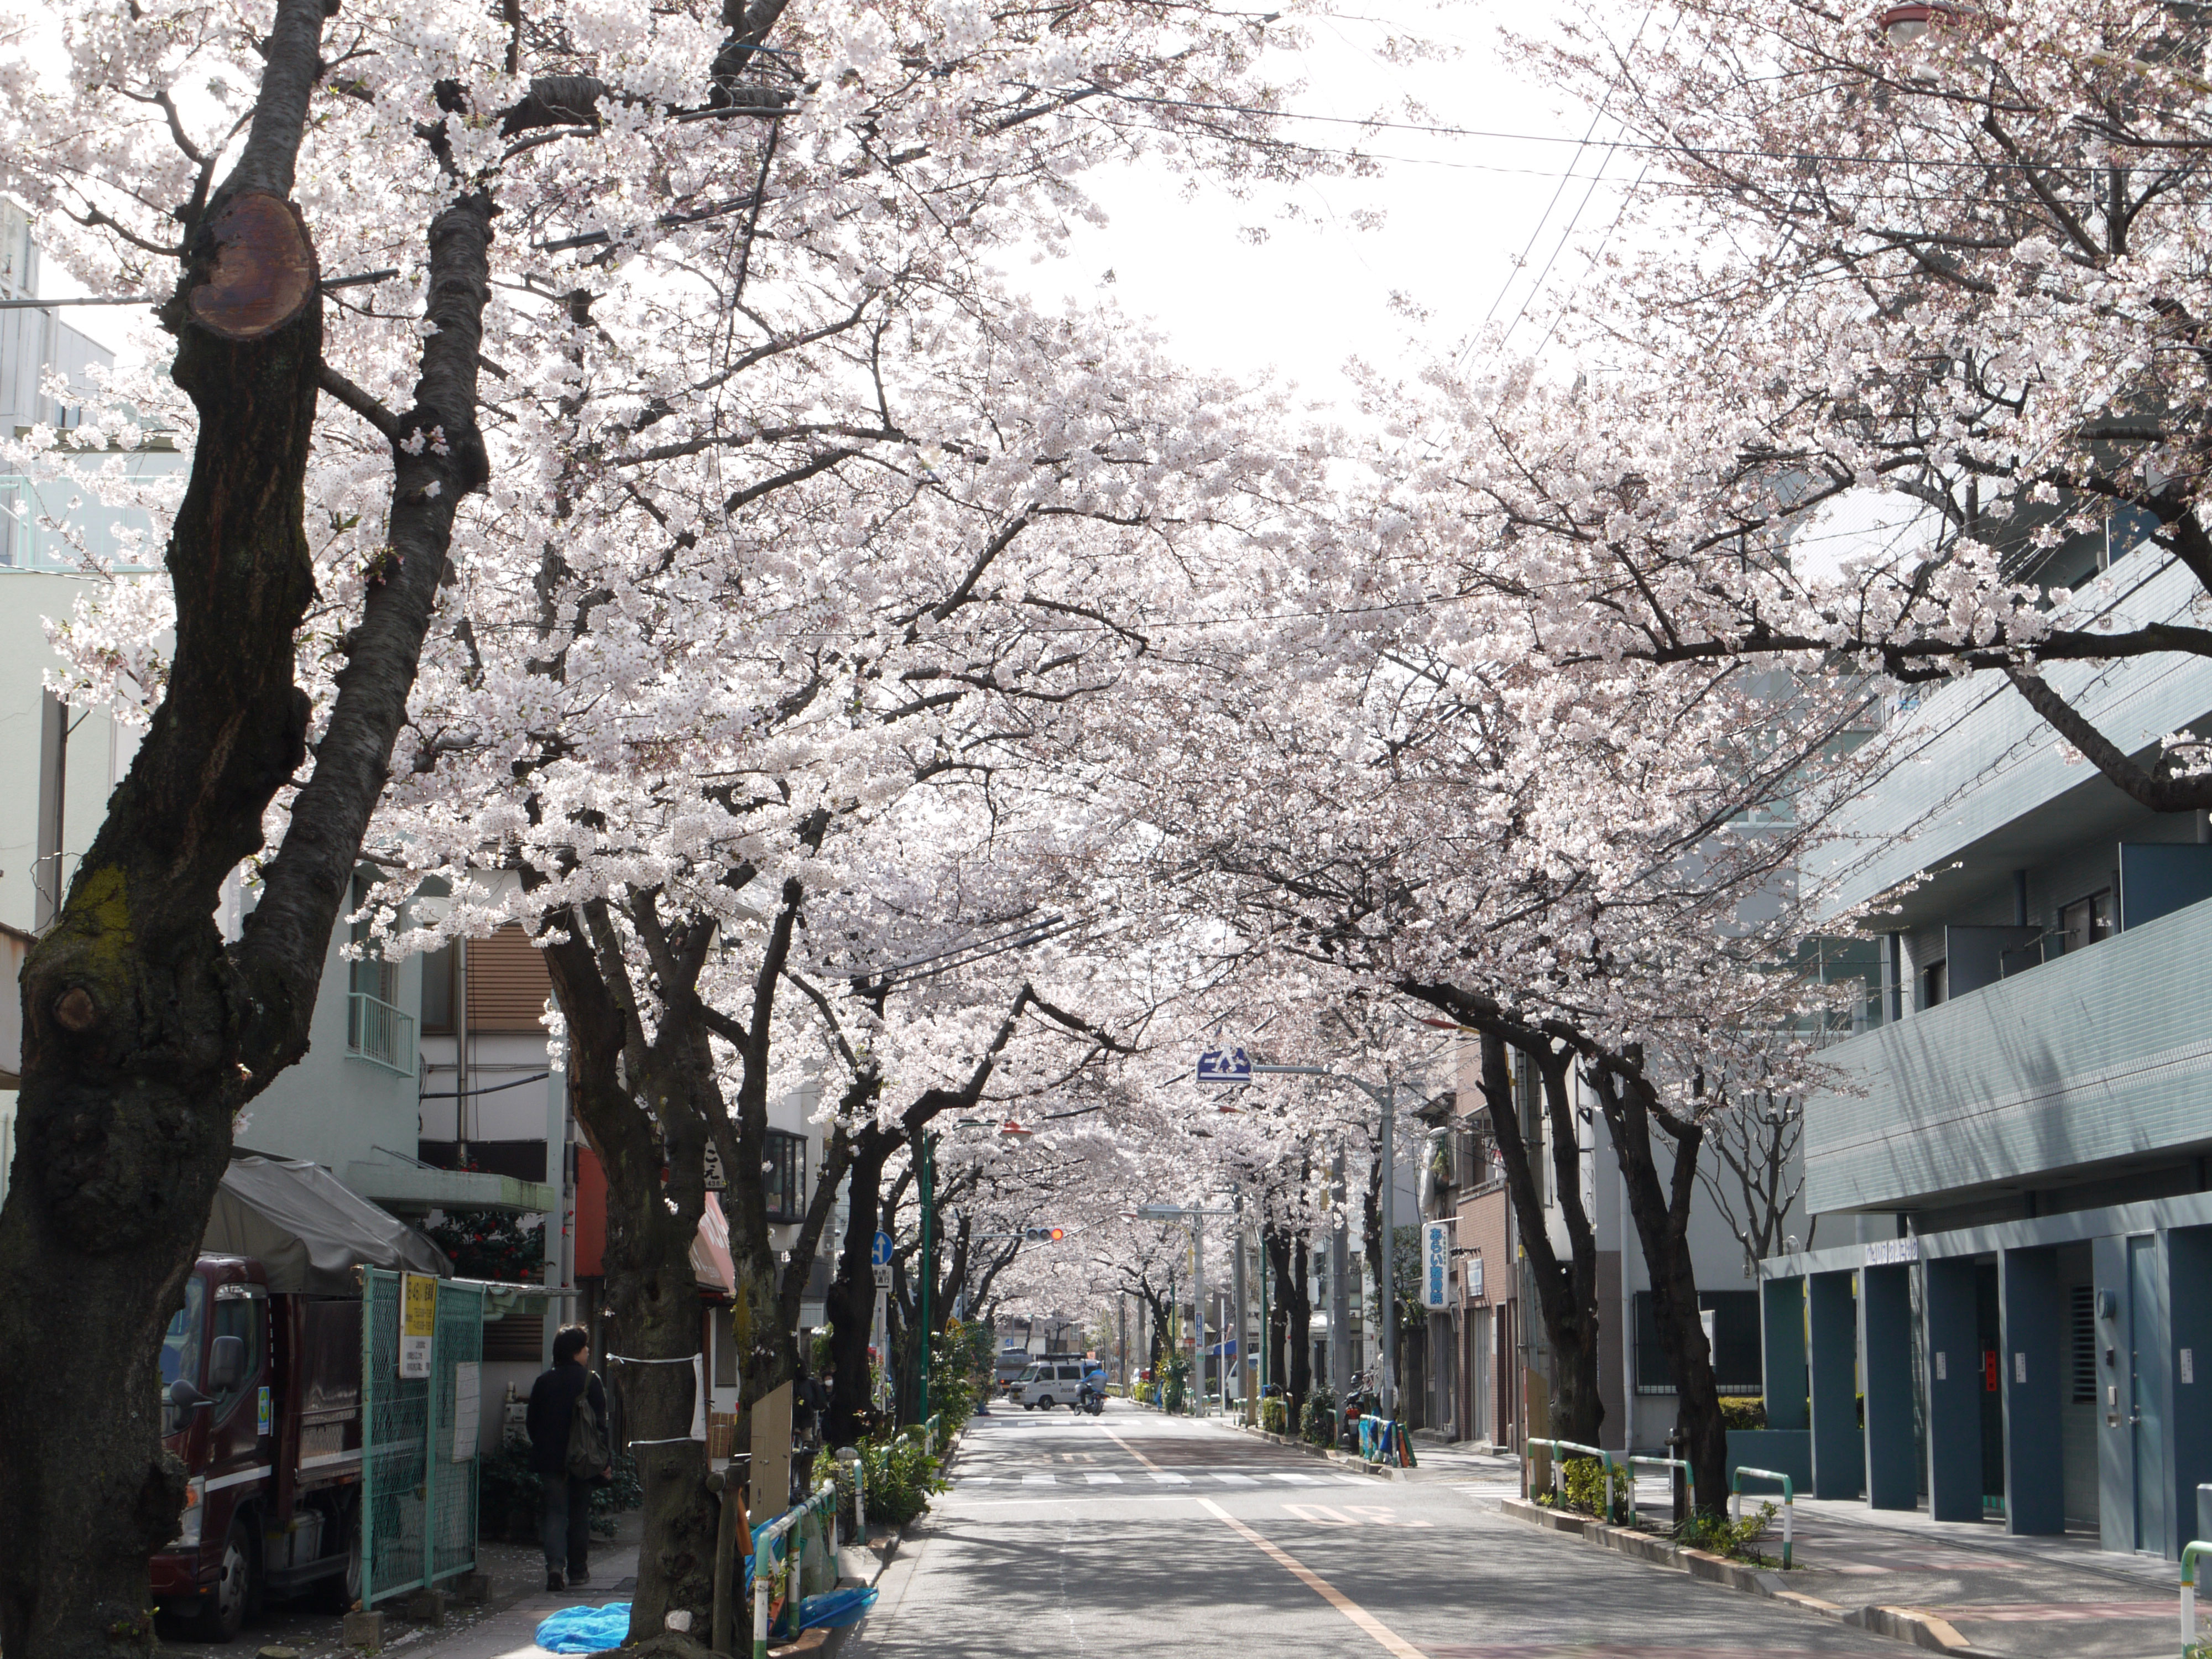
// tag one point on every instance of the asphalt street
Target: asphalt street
(1136, 1533)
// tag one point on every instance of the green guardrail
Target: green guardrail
(1689, 1481)
(1556, 1447)
(1789, 1502)
(2188, 1554)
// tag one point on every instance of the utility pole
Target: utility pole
(1243, 1370)
(1339, 1269)
(1386, 1284)
(1198, 1299)
(929, 1262)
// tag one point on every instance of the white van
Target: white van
(1052, 1381)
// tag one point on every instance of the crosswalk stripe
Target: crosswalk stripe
(1040, 1480)
(977, 1480)
(1238, 1480)
(1104, 1479)
(1298, 1479)
(1167, 1480)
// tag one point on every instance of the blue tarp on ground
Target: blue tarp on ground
(584, 1630)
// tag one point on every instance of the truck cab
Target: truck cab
(261, 1403)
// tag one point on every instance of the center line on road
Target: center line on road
(1132, 1451)
(1385, 1637)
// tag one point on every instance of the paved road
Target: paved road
(1134, 1534)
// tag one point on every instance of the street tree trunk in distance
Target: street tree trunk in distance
(1291, 1319)
(1660, 1207)
(143, 1032)
(1566, 1291)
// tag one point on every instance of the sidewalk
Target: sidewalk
(2015, 1597)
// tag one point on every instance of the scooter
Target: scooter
(1087, 1398)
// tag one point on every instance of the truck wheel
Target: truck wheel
(223, 1609)
(339, 1592)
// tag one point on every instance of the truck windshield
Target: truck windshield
(180, 1343)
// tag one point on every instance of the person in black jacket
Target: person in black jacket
(564, 1500)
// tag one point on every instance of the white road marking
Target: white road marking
(1167, 1480)
(1040, 1480)
(1104, 1479)
(1298, 1479)
(1238, 1480)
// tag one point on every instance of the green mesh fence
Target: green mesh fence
(419, 1452)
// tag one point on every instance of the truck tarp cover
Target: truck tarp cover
(309, 1231)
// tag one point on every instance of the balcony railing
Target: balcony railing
(380, 1033)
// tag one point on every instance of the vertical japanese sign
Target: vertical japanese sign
(1435, 1266)
(418, 1322)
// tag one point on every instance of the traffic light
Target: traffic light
(1044, 1235)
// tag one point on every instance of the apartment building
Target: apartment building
(2013, 1165)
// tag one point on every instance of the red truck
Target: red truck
(262, 1397)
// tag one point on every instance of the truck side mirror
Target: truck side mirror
(184, 1397)
(227, 1364)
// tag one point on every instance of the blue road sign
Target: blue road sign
(1225, 1066)
(880, 1254)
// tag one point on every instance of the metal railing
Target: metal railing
(380, 1033)
(2190, 1552)
(1556, 1447)
(1689, 1482)
(1789, 1502)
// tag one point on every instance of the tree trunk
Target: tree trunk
(853, 1291)
(143, 1034)
(1566, 1291)
(654, 1313)
(1290, 1321)
(1661, 1211)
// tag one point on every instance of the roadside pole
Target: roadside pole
(928, 1266)
(1386, 1282)
(1198, 1301)
(1339, 1267)
(1244, 1409)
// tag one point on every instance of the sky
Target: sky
(1457, 213)
(1443, 229)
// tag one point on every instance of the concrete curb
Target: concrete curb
(1921, 1630)
(1381, 1471)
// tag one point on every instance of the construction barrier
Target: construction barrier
(1789, 1502)
(776, 1567)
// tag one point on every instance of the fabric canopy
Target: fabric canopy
(309, 1231)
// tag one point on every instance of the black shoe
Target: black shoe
(553, 1581)
(579, 1580)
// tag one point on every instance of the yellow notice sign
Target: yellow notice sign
(418, 1322)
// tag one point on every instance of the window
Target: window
(1070, 1373)
(241, 1316)
(783, 1173)
(1736, 1368)
(2085, 922)
(181, 1343)
(438, 992)
(1932, 982)
(2081, 1345)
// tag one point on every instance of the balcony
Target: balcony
(2096, 1055)
(380, 1033)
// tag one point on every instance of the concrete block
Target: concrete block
(363, 1629)
(427, 1607)
(472, 1587)
(808, 1642)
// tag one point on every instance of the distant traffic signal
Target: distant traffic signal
(1044, 1235)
